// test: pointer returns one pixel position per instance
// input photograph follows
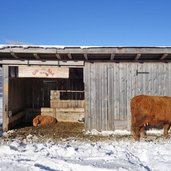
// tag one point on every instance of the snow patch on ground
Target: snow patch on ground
(107, 133)
(121, 132)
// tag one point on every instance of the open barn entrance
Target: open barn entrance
(62, 98)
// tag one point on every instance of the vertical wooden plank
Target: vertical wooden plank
(139, 78)
(98, 97)
(115, 91)
(87, 95)
(158, 78)
(113, 96)
(120, 92)
(123, 102)
(166, 79)
(110, 97)
(5, 97)
(125, 92)
(163, 80)
(132, 88)
(150, 79)
(117, 85)
(163, 86)
(103, 97)
(107, 102)
(93, 96)
(134, 82)
(152, 75)
(129, 95)
(160, 83)
(146, 81)
(165, 83)
(106, 95)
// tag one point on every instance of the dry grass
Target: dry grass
(64, 131)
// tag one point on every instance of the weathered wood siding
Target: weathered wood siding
(110, 86)
(5, 80)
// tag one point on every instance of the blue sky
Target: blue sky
(86, 22)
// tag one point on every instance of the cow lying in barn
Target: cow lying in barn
(150, 110)
(43, 120)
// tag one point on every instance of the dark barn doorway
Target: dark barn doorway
(62, 98)
(70, 89)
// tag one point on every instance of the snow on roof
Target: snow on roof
(2, 46)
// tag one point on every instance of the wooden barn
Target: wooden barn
(73, 83)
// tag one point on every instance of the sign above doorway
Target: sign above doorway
(43, 72)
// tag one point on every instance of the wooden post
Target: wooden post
(5, 79)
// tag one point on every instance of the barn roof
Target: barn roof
(21, 54)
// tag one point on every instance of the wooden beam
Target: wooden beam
(58, 56)
(36, 56)
(5, 97)
(34, 62)
(112, 56)
(86, 56)
(138, 56)
(14, 55)
(71, 63)
(13, 62)
(42, 63)
(164, 56)
(69, 56)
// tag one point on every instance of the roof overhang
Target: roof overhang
(24, 53)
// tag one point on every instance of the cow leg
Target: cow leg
(136, 133)
(166, 128)
(142, 132)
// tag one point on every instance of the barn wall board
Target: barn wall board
(109, 88)
(5, 86)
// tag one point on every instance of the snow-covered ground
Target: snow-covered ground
(72, 154)
(67, 155)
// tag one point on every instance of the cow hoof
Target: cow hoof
(136, 138)
(166, 136)
(144, 135)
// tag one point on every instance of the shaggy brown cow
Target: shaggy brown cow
(43, 120)
(150, 110)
